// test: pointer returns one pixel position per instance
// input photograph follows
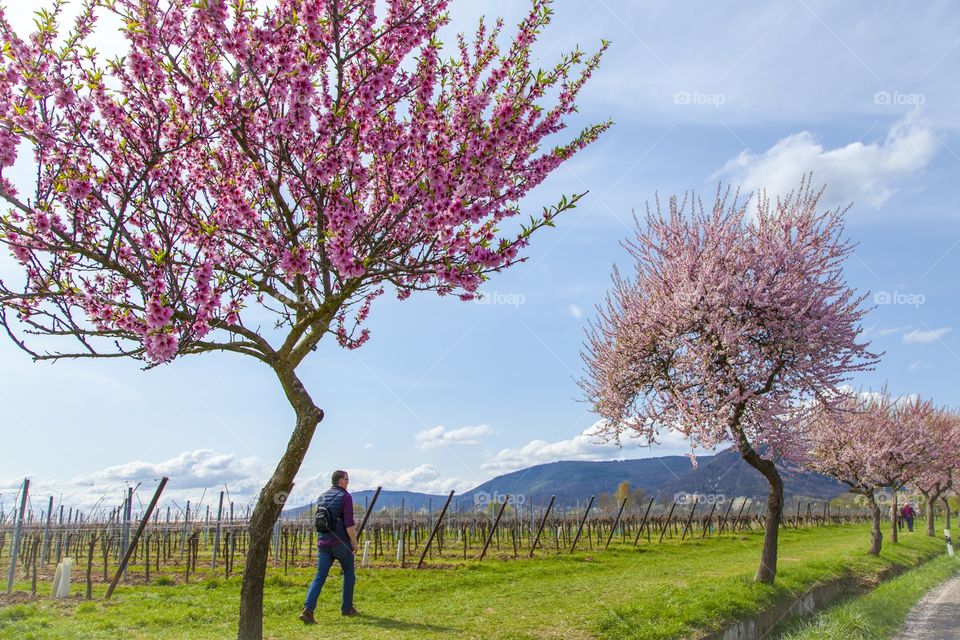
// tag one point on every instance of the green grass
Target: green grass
(654, 592)
(879, 614)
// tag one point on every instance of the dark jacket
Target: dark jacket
(340, 504)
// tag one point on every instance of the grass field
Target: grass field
(672, 590)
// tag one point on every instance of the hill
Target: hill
(728, 474)
(572, 481)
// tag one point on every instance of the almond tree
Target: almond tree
(931, 472)
(860, 442)
(908, 420)
(729, 327)
(286, 161)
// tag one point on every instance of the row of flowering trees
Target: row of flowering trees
(737, 326)
(873, 443)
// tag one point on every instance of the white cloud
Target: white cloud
(859, 173)
(189, 470)
(193, 475)
(202, 474)
(443, 437)
(923, 337)
(424, 478)
(881, 333)
(576, 311)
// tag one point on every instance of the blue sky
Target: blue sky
(447, 394)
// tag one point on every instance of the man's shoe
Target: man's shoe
(307, 616)
(351, 612)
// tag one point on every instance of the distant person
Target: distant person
(908, 514)
(336, 540)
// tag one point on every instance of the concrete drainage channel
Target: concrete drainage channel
(813, 601)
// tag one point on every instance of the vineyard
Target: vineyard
(121, 546)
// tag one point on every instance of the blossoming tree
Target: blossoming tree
(296, 158)
(863, 442)
(931, 472)
(908, 419)
(730, 325)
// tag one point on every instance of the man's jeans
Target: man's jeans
(325, 558)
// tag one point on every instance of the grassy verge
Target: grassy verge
(655, 592)
(880, 613)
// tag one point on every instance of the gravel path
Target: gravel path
(936, 616)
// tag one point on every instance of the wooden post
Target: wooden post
(615, 522)
(146, 563)
(540, 528)
(723, 523)
(643, 522)
(666, 522)
(216, 536)
(693, 509)
(706, 525)
(46, 533)
(93, 542)
(34, 553)
(136, 536)
(366, 515)
(580, 528)
(17, 532)
(494, 527)
(433, 533)
(127, 521)
(739, 513)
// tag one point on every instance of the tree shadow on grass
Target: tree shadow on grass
(401, 625)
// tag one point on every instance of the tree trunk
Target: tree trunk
(876, 533)
(894, 519)
(931, 507)
(767, 570)
(270, 503)
(946, 511)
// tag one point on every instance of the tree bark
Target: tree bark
(946, 511)
(767, 570)
(896, 517)
(876, 533)
(270, 503)
(931, 507)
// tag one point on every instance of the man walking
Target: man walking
(336, 540)
(908, 514)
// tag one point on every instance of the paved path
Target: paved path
(936, 616)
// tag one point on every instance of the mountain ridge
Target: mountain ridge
(573, 481)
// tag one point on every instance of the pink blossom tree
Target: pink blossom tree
(295, 158)
(908, 420)
(862, 442)
(931, 472)
(730, 325)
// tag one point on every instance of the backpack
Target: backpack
(325, 520)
